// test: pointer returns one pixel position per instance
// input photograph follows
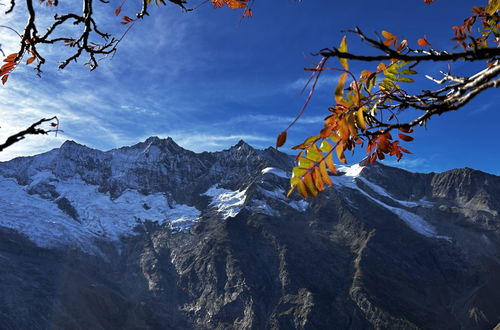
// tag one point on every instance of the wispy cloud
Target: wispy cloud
(272, 120)
(420, 165)
(325, 81)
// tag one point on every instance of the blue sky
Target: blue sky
(208, 81)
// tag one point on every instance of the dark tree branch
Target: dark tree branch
(32, 130)
(431, 55)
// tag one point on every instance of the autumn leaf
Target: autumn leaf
(422, 42)
(30, 60)
(247, 13)
(406, 129)
(126, 20)
(218, 3)
(281, 139)
(339, 90)
(10, 58)
(301, 187)
(388, 35)
(405, 137)
(343, 49)
(4, 79)
(118, 10)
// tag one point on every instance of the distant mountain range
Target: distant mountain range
(153, 236)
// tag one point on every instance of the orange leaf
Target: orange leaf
(247, 13)
(281, 139)
(118, 10)
(311, 188)
(301, 187)
(339, 90)
(236, 4)
(30, 60)
(405, 137)
(318, 182)
(331, 166)
(218, 3)
(4, 79)
(340, 153)
(324, 174)
(422, 42)
(10, 58)
(388, 35)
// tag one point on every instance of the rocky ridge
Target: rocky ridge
(153, 236)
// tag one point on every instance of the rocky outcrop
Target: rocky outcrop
(153, 236)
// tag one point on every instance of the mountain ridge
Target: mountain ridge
(162, 237)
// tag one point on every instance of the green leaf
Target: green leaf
(405, 79)
(297, 172)
(305, 163)
(407, 72)
(389, 75)
(325, 146)
(314, 154)
(311, 140)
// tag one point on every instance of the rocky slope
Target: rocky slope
(154, 236)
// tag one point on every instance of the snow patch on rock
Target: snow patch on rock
(381, 191)
(276, 171)
(227, 202)
(99, 216)
(415, 222)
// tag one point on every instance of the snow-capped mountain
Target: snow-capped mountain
(161, 237)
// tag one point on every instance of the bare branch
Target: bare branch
(32, 130)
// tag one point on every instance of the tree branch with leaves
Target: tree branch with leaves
(367, 112)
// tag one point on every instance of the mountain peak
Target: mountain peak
(242, 145)
(71, 146)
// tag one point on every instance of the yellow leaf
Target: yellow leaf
(360, 118)
(324, 174)
(339, 90)
(493, 6)
(343, 49)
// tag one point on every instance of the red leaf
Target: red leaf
(405, 137)
(118, 10)
(406, 130)
(4, 79)
(126, 20)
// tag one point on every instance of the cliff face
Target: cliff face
(154, 236)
